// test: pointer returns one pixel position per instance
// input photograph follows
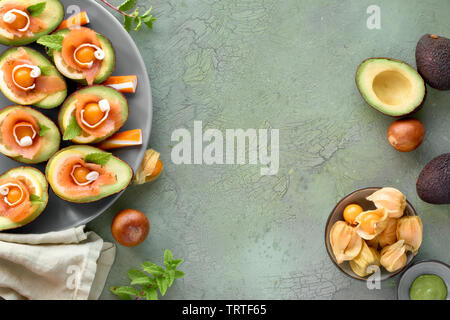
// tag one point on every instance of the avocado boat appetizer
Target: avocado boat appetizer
(82, 55)
(23, 197)
(28, 78)
(26, 135)
(85, 174)
(24, 21)
(391, 86)
(92, 114)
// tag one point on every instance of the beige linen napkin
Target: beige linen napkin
(69, 264)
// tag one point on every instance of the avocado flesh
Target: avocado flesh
(53, 15)
(68, 110)
(37, 180)
(44, 101)
(108, 63)
(391, 86)
(50, 145)
(433, 61)
(433, 184)
(123, 172)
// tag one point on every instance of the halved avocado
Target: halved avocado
(68, 111)
(52, 16)
(44, 101)
(51, 137)
(108, 63)
(391, 86)
(121, 169)
(39, 188)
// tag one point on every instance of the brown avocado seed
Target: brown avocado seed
(406, 135)
(130, 227)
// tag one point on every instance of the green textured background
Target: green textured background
(289, 65)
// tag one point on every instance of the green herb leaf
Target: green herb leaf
(138, 21)
(176, 262)
(151, 293)
(168, 258)
(153, 269)
(100, 158)
(163, 284)
(35, 198)
(36, 9)
(139, 277)
(147, 13)
(73, 129)
(125, 291)
(170, 276)
(43, 130)
(127, 5)
(179, 274)
(128, 21)
(148, 21)
(51, 42)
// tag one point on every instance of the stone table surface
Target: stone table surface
(287, 65)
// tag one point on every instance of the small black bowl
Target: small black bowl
(359, 197)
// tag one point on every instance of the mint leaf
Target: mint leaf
(125, 291)
(42, 130)
(138, 21)
(100, 158)
(151, 293)
(148, 21)
(35, 198)
(135, 274)
(52, 42)
(170, 276)
(127, 23)
(179, 274)
(127, 5)
(36, 9)
(153, 269)
(163, 284)
(73, 129)
(168, 258)
(176, 262)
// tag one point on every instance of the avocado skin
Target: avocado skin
(433, 61)
(433, 185)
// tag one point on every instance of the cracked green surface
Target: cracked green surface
(275, 64)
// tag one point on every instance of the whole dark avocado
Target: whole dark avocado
(433, 185)
(433, 60)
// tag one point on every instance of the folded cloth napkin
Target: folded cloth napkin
(63, 265)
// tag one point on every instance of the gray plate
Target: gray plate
(423, 267)
(359, 197)
(60, 214)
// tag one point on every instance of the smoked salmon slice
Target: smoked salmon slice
(112, 123)
(21, 211)
(45, 85)
(36, 24)
(66, 181)
(7, 127)
(76, 38)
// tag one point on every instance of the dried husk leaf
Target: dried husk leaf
(379, 226)
(148, 165)
(345, 242)
(391, 199)
(387, 237)
(393, 257)
(410, 229)
(367, 257)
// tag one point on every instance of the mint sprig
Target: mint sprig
(51, 42)
(73, 130)
(145, 283)
(100, 158)
(36, 9)
(133, 19)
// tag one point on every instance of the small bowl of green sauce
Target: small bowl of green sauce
(425, 280)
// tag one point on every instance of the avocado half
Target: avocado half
(43, 101)
(52, 15)
(433, 60)
(123, 172)
(52, 137)
(104, 92)
(433, 184)
(391, 86)
(108, 63)
(37, 181)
